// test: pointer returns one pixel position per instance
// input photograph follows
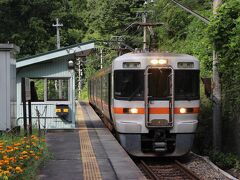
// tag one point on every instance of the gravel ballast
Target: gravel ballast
(204, 168)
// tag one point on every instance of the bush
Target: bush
(225, 161)
(84, 93)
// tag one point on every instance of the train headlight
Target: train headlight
(162, 61)
(130, 110)
(154, 61)
(159, 61)
(183, 110)
(186, 110)
(133, 110)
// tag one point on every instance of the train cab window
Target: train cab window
(158, 83)
(186, 84)
(129, 84)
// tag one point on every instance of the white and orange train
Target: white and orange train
(150, 100)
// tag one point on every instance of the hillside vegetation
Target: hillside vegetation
(29, 25)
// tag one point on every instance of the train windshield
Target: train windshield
(159, 83)
(186, 84)
(129, 84)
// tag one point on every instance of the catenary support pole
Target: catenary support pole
(144, 20)
(216, 85)
(216, 91)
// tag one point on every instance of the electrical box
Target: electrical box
(8, 86)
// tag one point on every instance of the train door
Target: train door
(159, 96)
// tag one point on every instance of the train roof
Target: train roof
(117, 62)
(156, 54)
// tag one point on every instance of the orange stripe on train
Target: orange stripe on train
(162, 110)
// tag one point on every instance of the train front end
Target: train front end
(155, 103)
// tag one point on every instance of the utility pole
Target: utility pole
(58, 26)
(216, 91)
(60, 83)
(146, 25)
(144, 20)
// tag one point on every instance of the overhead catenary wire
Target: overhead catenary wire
(202, 18)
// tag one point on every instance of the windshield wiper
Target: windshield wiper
(134, 93)
(188, 97)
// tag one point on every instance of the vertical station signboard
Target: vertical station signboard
(26, 97)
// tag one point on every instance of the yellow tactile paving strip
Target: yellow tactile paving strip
(90, 167)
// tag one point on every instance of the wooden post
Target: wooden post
(30, 116)
(217, 124)
(24, 107)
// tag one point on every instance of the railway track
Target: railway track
(166, 170)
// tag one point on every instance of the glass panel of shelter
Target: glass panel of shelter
(50, 89)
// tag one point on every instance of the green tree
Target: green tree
(225, 33)
(29, 24)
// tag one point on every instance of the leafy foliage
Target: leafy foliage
(183, 33)
(225, 161)
(29, 24)
(224, 31)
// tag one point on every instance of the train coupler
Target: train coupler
(160, 146)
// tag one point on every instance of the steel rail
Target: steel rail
(147, 170)
(189, 173)
(175, 165)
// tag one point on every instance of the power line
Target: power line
(202, 18)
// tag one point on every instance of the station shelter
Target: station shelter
(53, 78)
(8, 86)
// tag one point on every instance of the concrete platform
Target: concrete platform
(88, 152)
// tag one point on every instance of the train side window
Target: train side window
(92, 90)
(109, 88)
(99, 88)
(105, 88)
(95, 88)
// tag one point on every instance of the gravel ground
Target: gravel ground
(203, 168)
(234, 172)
